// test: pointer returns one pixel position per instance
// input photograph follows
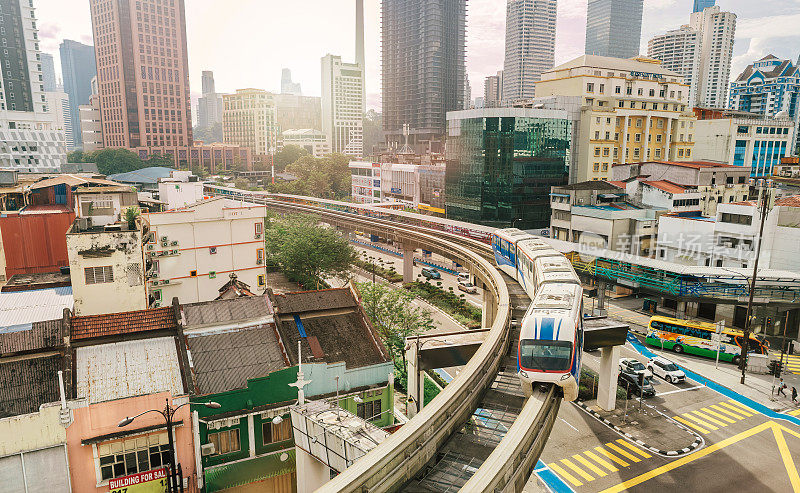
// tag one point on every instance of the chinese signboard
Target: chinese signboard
(154, 481)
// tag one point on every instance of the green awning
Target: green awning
(249, 471)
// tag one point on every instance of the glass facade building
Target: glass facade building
(614, 28)
(699, 5)
(502, 162)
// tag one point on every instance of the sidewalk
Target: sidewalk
(756, 387)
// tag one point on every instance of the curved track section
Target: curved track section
(414, 447)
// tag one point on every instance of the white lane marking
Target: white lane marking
(681, 390)
(564, 420)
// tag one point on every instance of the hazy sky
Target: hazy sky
(247, 42)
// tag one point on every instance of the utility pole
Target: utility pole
(748, 320)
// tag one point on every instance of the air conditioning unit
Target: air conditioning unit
(154, 275)
(260, 261)
(149, 247)
(207, 449)
(174, 243)
(155, 283)
(258, 236)
(212, 250)
(157, 304)
(174, 252)
(165, 281)
(163, 239)
(164, 244)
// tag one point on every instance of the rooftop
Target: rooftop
(209, 313)
(32, 337)
(225, 359)
(684, 164)
(591, 185)
(310, 301)
(89, 326)
(27, 384)
(20, 309)
(791, 201)
(666, 186)
(148, 176)
(26, 282)
(72, 180)
(638, 64)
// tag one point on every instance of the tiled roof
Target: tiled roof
(225, 360)
(306, 301)
(620, 184)
(666, 186)
(791, 201)
(35, 336)
(225, 311)
(27, 384)
(123, 323)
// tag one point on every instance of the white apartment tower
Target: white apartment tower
(58, 106)
(700, 51)
(530, 46)
(343, 105)
(29, 139)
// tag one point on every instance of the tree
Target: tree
(208, 134)
(394, 318)
(75, 157)
(327, 177)
(130, 215)
(307, 252)
(373, 131)
(288, 155)
(111, 161)
(163, 160)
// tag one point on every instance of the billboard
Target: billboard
(154, 481)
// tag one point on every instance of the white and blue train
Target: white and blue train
(551, 337)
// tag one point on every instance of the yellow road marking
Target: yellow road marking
(635, 449)
(702, 423)
(788, 463)
(728, 412)
(735, 408)
(687, 459)
(687, 423)
(612, 456)
(591, 466)
(581, 472)
(622, 452)
(564, 474)
(796, 412)
(739, 405)
(717, 415)
(709, 418)
(600, 461)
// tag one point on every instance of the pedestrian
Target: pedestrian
(781, 387)
(794, 395)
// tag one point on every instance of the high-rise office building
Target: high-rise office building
(614, 28)
(249, 120)
(48, 72)
(58, 104)
(78, 68)
(700, 5)
(700, 52)
(29, 139)
(467, 93)
(343, 105)
(493, 90)
(423, 49)
(142, 72)
(530, 46)
(770, 86)
(209, 105)
(287, 86)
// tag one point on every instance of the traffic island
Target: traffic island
(646, 426)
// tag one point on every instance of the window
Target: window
(596, 167)
(688, 153)
(617, 90)
(637, 138)
(260, 256)
(605, 166)
(369, 410)
(259, 228)
(97, 275)
(680, 152)
(590, 87)
(262, 280)
(638, 123)
(118, 459)
(602, 88)
(225, 442)
(597, 152)
(606, 151)
(272, 433)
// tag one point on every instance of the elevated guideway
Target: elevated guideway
(505, 438)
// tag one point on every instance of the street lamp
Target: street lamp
(168, 413)
(514, 222)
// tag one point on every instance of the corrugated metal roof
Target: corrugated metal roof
(225, 360)
(306, 301)
(144, 175)
(225, 311)
(19, 309)
(125, 369)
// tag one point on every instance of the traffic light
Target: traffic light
(768, 322)
(775, 368)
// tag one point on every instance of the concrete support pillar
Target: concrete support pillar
(609, 370)
(415, 399)
(601, 295)
(680, 312)
(408, 263)
(489, 310)
(311, 473)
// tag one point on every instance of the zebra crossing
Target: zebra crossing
(791, 362)
(598, 462)
(715, 416)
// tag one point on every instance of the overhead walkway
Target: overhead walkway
(714, 284)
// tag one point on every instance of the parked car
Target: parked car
(467, 287)
(631, 365)
(666, 369)
(463, 276)
(630, 382)
(431, 273)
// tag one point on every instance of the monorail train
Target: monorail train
(551, 336)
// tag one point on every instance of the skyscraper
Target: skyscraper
(423, 45)
(493, 90)
(613, 28)
(679, 51)
(142, 72)
(209, 106)
(699, 5)
(48, 72)
(29, 139)
(249, 120)
(287, 86)
(343, 105)
(530, 45)
(78, 68)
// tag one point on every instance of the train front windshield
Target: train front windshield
(545, 355)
